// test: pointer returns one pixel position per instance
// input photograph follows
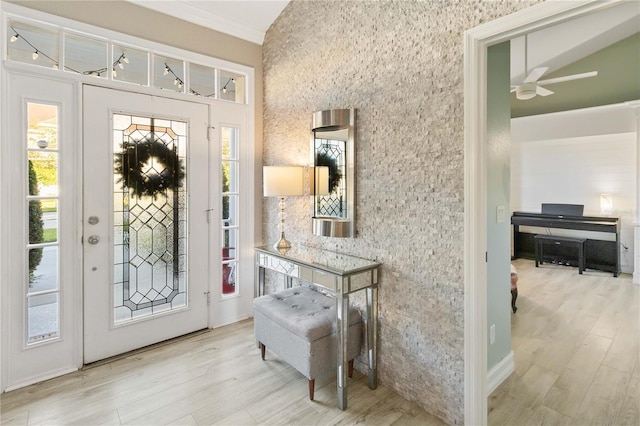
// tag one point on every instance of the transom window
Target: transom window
(69, 52)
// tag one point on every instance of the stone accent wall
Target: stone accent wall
(400, 64)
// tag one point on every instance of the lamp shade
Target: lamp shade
(319, 179)
(606, 204)
(280, 181)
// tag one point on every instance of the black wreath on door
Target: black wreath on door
(132, 165)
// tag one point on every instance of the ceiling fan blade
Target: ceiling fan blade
(569, 78)
(543, 92)
(535, 74)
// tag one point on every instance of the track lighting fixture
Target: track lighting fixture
(34, 55)
(14, 37)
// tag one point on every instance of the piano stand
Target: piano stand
(542, 240)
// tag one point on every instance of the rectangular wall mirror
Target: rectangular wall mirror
(332, 177)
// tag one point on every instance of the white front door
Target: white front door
(145, 231)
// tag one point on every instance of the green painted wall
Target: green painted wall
(498, 194)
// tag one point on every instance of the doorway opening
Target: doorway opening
(477, 41)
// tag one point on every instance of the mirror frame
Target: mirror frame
(324, 121)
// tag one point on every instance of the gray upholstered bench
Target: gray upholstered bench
(299, 325)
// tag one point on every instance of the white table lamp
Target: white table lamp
(283, 181)
(606, 204)
(319, 180)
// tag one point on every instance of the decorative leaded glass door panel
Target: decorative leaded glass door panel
(145, 189)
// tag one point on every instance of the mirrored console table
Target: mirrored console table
(342, 275)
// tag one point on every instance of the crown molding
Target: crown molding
(203, 18)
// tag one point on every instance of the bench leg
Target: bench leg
(580, 258)
(312, 385)
(312, 382)
(262, 349)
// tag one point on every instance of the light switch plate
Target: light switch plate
(500, 214)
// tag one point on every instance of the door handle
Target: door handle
(93, 239)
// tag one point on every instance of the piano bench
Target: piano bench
(542, 240)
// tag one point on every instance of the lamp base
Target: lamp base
(282, 244)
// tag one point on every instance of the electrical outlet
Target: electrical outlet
(500, 214)
(492, 334)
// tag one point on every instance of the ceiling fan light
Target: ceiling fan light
(526, 91)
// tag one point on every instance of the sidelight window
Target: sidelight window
(42, 243)
(230, 203)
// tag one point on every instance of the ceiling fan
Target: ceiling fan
(532, 86)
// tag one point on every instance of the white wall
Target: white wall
(573, 157)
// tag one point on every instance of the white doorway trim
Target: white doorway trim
(476, 42)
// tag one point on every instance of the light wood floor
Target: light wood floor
(216, 377)
(577, 353)
(575, 340)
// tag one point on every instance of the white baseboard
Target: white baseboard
(500, 372)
